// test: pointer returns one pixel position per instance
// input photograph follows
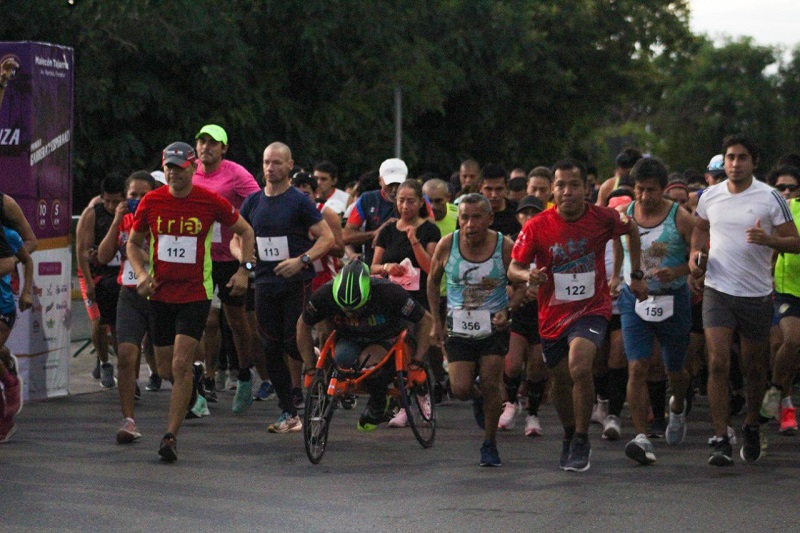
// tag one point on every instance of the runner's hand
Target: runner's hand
(613, 287)
(25, 301)
(145, 285)
(238, 283)
(537, 276)
(377, 231)
(120, 212)
(757, 235)
(639, 289)
(437, 336)
(501, 319)
(697, 264)
(289, 267)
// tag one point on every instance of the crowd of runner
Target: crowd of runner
(517, 288)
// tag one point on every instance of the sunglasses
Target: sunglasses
(787, 187)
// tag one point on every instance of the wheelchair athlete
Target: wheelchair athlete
(368, 314)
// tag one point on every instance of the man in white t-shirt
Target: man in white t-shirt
(326, 175)
(744, 220)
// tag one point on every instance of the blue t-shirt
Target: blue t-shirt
(7, 304)
(281, 224)
(373, 209)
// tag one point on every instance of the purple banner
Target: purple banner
(36, 135)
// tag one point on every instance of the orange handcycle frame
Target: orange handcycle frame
(326, 388)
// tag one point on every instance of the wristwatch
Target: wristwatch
(305, 259)
(247, 266)
(637, 274)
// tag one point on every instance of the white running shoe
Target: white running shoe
(612, 428)
(532, 426)
(600, 412)
(507, 416)
(676, 429)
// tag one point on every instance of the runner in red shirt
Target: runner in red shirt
(179, 219)
(567, 244)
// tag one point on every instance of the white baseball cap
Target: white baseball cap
(159, 176)
(393, 171)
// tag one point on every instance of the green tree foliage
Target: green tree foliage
(719, 91)
(518, 82)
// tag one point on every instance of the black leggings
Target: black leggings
(278, 306)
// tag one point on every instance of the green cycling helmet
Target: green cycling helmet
(351, 286)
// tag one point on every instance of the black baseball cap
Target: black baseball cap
(530, 202)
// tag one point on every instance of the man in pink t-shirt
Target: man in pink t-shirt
(234, 183)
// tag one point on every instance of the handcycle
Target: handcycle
(413, 386)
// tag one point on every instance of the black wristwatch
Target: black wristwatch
(247, 266)
(305, 259)
(637, 274)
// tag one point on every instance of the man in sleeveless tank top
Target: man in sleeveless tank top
(474, 261)
(665, 231)
(98, 282)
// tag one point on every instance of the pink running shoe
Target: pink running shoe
(507, 420)
(400, 420)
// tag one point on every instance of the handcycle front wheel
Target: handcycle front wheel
(317, 418)
(416, 397)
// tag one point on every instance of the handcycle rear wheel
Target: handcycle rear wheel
(417, 400)
(317, 418)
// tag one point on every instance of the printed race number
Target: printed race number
(116, 260)
(272, 248)
(472, 323)
(182, 249)
(656, 308)
(128, 275)
(574, 287)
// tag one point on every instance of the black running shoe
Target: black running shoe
(169, 449)
(489, 455)
(751, 448)
(579, 453)
(723, 453)
(154, 383)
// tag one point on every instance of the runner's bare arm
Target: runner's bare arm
(324, 240)
(783, 240)
(335, 223)
(422, 336)
(699, 247)
(107, 248)
(13, 213)
(638, 286)
(246, 240)
(353, 235)
(145, 285)
(305, 343)
(25, 295)
(440, 256)
(84, 239)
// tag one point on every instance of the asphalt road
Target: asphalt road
(63, 472)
